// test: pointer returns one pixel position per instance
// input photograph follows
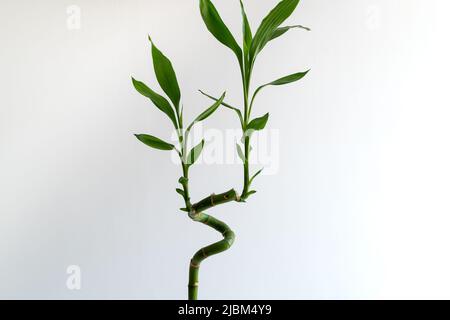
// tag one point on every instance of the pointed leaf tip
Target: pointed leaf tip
(208, 112)
(258, 123)
(195, 152)
(288, 79)
(282, 30)
(270, 23)
(159, 101)
(154, 142)
(165, 74)
(254, 176)
(247, 33)
(282, 81)
(217, 27)
(180, 192)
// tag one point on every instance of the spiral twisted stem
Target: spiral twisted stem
(216, 224)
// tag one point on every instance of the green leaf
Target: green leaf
(251, 192)
(270, 23)
(181, 192)
(239, 113)
(205, 114)
(154, 142)
(184, 209)
(282, 30)
(181, 116)
(246, 31)
(195, 152)
(160, 102)
(285, 80)
(254, 176)
(258, 123)
(217, 27)
(166, 76)
(288, 79)
(240, 152)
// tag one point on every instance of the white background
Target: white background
(359, 207)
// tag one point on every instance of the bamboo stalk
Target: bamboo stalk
(197, 215)
(215, 199)
(208, 251)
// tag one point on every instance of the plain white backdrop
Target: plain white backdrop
(359, 207)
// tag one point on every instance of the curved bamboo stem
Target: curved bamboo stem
(208, 251)
(197, 215)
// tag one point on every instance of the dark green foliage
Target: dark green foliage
(258, 123)
(154, 142)
(208, 112)
(166, 76)
(160, 102)
(282, 30)
(217, 27)
(252, 45)
(270, 23)
(195, 153)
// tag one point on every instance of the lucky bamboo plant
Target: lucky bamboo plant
(252, 44)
